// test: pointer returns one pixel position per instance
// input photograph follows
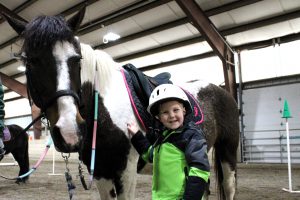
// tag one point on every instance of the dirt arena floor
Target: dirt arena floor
(254, 182)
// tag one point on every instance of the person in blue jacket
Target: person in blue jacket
(2, 114)
(180, 163)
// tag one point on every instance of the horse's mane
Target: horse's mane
(97, 60)
(43, 32)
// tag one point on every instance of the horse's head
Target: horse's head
(51, 54)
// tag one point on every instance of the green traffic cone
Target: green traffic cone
(286, 111)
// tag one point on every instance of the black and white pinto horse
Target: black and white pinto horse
(62, 75)
(16, 143)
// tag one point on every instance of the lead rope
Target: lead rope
(70, 184)
(92, 165)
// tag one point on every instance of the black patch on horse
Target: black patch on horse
(112, 146)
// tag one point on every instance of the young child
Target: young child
(179, 155)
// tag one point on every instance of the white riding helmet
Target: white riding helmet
(167, 92)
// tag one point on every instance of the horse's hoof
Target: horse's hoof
(20, 181)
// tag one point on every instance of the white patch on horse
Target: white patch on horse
(105, 188)
(62, 51)
(229, 181)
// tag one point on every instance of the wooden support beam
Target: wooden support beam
(19, 8)
(10, 13)
(214, 39)
(13, 84)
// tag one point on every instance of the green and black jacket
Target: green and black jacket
(180, 163)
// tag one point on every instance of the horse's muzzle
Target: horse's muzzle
(60, 144)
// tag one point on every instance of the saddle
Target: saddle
(143, 84)
(140, 87)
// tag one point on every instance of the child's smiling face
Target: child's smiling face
(171, 114)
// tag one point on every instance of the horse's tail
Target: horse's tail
(226, 145)
(218, 173)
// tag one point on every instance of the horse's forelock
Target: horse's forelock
(43, 32)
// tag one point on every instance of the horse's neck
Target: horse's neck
(109, 83)
(100, 69)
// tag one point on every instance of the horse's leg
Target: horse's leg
(225, 166)
(229, 149)
(106, 189)
(229, 182)
(21, 156)
(226, 154)
(129, 177)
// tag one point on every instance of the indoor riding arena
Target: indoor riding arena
(254, 181)
(77, 74)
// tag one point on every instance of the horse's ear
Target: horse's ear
(17, 25)
(75, 21)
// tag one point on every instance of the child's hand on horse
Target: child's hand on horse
(132, 128)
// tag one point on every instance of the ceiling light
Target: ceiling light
(21, 68)
(110, 37)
